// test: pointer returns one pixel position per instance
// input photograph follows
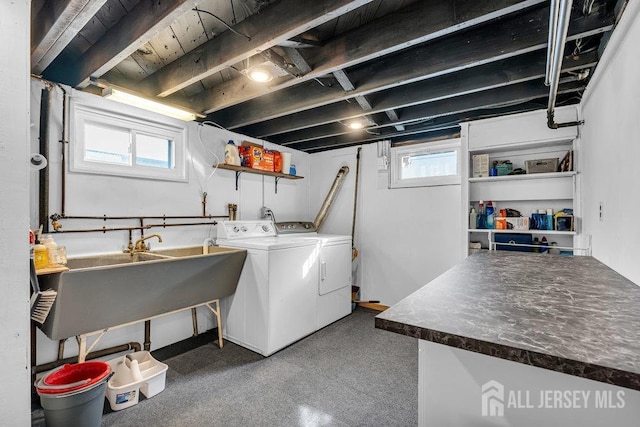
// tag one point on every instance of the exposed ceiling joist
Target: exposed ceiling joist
(348, 86)
(419, 22)
(136, 28)
(393, 116)
(55, 25)
(492, 75)
(494, 98)
(274, 24)
(524, 33)
(298, 60)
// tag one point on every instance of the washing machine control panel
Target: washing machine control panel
(293, 227)
(245, 229)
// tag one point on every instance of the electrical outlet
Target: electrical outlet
(601, 212)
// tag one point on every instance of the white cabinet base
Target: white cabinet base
(450, 394)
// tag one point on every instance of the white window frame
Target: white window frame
(397, 153)
(82, 114)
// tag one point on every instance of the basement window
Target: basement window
(108, 143)
(424, 165)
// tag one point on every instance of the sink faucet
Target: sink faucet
(141, 247)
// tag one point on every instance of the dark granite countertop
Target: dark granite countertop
(569, 314)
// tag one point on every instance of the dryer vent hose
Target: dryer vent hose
(331, 196)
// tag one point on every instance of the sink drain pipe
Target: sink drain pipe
(135, 346)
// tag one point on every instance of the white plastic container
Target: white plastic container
(231, 155)
(135, 373)
(52, 250)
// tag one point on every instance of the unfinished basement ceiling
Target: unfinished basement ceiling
(409, 69)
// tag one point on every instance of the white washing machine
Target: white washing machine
(334, 280)
(275, 303)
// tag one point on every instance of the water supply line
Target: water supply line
(43, 177)
(354, 251)
(559, 18)
(328, 201)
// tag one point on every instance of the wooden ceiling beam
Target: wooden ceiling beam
(393, 116)
(275, 23)
(55, 25)
(493, 75)
(495, 98)
(519, 35)
(417, 23)
(136, 28)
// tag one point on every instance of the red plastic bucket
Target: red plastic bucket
(73, 395)
(73, 377)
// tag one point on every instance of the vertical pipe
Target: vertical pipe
(63, 164)
(560, 38)
(147, 335)
(194, 320)
(551, 44)
(43, 181)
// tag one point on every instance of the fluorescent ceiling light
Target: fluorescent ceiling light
(260, 74)
(147, 104)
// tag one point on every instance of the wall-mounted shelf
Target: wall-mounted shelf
(534, 232)
(524, 176)
(239, 169)
(51, 270)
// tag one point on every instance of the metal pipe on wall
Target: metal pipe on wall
(43, 178)
(93, 355)
(559, 18)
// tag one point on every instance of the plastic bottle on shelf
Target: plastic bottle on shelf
(490, 216)
(481, 216)
(52, 250)
(40, 258)
(549, 219)
(544, 244)
(473, 219)
(231, 155)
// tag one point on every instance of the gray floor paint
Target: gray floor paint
(347, 374)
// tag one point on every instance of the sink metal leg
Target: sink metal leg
(82, 344)
(216, 312)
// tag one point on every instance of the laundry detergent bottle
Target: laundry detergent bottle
(490, 216)
(231, 155)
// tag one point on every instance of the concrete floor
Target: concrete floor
(347, 374)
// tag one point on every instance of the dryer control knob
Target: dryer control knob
(265, 228)
(236, 229)
(243, 229)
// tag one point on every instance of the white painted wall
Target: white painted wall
(14, 203)
(406, 237)
(91, 195)
(611, 149)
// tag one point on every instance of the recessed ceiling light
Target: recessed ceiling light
(260, 74)
(356, 124)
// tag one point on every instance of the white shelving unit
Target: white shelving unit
(519, 138)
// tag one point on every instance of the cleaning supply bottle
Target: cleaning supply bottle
(481, 216)
(490, 216)
(549, 219)
(40, 258)
(473, 219)
(52, 250)
(231, 155)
